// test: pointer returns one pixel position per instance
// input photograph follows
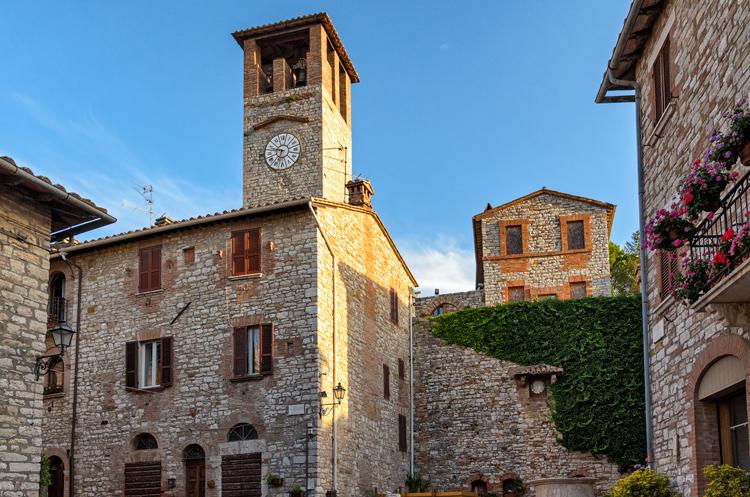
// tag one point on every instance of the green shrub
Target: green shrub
(727, 481)
(642, 483)
(45, 475)
(597, 404)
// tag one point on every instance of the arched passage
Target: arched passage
(57, 472)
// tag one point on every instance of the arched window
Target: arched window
(55, 376)
(439, 310)
(242, 431)
(56, 306)
(512, 487)
(145, 441)
(57, 486)
(193, 452)
(479, 487)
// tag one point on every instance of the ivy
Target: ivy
(598, 403)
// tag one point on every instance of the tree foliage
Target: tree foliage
(623, 266)
(598, 403)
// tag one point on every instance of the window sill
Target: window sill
(530, 255)
(250, 377)
(663, 305)
(662, 123)
(245, 276)
(157, 388)
(150, 292)
(55, 395)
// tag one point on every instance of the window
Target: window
(55, 377)
(401, 369)
(245, 252)
(669, 268)
(516, 294)
(386, 382)
(479, 487)
(578, 290)
(56, 306)
(394, 307)
(253, 350)
(242, 431)
(145, 441)
(513, 240)
(662, 81)
(576, 240)
(402, 446)
(188, 255)
(149, 269)
(439, 310)
(733, 433)
(148, 364)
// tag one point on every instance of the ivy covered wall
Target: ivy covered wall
(598, 403)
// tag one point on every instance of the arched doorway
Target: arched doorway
(479, 487)
(57, 472)
(195, 471)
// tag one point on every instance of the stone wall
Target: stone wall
(546, 267)
(24, 262)
(450, 302)
(475, 421)
(710, 50)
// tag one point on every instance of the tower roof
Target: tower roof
(301, 22)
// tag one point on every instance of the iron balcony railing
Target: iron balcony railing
(56, 311)
(707, 237)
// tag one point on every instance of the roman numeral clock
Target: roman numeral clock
(282, 151)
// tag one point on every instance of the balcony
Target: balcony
(728, 288)
(57, 308)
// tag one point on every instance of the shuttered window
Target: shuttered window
(149, 364)
(576, 239)
(149, 269)
(669, 267)
(245, 252)
(402, 446)
(394, 306)
(386, 382)
(513, 240)
(253, 350)
(516, 294)
(662, 81)
(401, 369)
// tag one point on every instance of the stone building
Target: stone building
(690, 60)
(213, 350)
(479, 425)
(33, 213)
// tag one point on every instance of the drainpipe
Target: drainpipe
(74, 415)
(644, 286)
(411, 384)
(334, 447)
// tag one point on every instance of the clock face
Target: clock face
(282, 151)
(537, 387)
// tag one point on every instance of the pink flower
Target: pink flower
(677, 243)
(710, 216)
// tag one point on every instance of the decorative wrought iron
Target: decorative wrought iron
(56, 311)
(145, 441)
(193, 452)
(242, 431)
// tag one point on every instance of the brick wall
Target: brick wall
(24, 263)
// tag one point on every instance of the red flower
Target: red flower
(688, 197)
(721, 258)
(728, 235)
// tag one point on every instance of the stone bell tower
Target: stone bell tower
(297, 111)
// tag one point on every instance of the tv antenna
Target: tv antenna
(147, 192)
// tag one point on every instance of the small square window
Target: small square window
(576, 240)
(516, 294)
(188, 255)
(578, 290)
(513, 240)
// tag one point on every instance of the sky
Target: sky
(459, 104)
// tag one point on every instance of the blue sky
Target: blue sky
(460, 104)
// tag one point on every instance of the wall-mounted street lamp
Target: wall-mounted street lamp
(338, 396)
(62, 334)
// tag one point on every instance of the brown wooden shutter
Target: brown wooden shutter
(401, 369)
(266, 348)
(666, 81)
(238, 253)
(240, 351)
(252, 248)
(386, 382)
(394, 306)
(144, 266)
(402, 446)
(131, 365)
(155, 280)
(167, 356)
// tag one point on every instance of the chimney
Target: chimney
(163, 220)
(360, 193)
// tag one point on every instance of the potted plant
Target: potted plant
(739, 125)
(694, 282)
(668, 230)
(701, 189)
(274, 480)
(296, 491)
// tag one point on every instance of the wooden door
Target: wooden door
(195, 471)
(57, 488)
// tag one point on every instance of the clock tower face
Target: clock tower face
(282, 151)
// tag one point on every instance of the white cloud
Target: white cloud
(439, 263)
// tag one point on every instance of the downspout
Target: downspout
(411, 384)
(74, 414)
(644, 284)
(334, 447)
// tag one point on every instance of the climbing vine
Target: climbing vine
(598, 403)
